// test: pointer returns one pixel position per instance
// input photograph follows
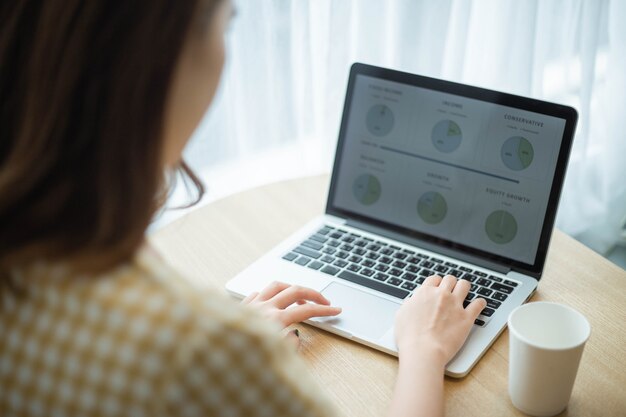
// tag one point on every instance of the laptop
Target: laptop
(430, 177)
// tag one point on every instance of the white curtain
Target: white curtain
(285, 79)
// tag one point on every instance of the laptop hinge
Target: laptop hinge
(474, 260)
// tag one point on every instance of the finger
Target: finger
(448, 283)
(300, 302)
(461, 289)
(249, 298)
(293, 337)
(304, 312)
(475, 307)
(272, 289)
(432, 281)
(294, 293)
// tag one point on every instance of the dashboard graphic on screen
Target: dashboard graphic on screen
(464, 170)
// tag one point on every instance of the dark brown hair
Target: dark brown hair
(82, 95)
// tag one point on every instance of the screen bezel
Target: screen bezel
(567, 113)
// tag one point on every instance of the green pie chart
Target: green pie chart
(517, 153)
(366, 189)
(446, 136)
(501, 227)
(432, 207)
(379, 120)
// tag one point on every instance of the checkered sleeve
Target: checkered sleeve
(241, 367)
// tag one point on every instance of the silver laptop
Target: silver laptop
(430, 177)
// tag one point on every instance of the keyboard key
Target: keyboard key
(395, 272)
(409, 276)
(355, 259)
(408, 286)
(420, 280)
(484, 282)
(328, 259)
(427, 264)
(348, 239)
(386, 251)
(330, 270)
(347, 247)
(421, 255)
(465, 303)
(372, 255)
(381, 267)
(456, 273)
(374, 247)
(336, 235)
(359, 251)
(340, 263)
(479, 322)
(368, 263)
(435, 260)
(307, 252)
(367, 272)
(502, 288)
(465, 269)
(368, 239)
(473, 287)
(324, 230)
(342, 255)
(469, 277)
(329, 251)
(385, 260)
(409, 251)
(399, 264)
(487, 312)
(303, 260)
(493, 303)
(495, 278)
(381, 276)
(470, 296)
(450, 264)
(412, 268)
(511, 283)
(361, 243)
(426, 273)
(372, 284)
(394, 247)
(290, 256)
(354, 267)
(414, 260)
(480, 274)
(334, 243)
(441, 269)
(499, 296)
(316, 265)
(484, 291)
(319, 238)
(394, 281)
(400, 255)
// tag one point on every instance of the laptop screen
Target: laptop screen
(466, 170)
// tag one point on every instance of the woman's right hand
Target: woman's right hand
(433, 321)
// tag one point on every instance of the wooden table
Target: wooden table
(212, 244)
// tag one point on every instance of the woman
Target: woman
(98, 101)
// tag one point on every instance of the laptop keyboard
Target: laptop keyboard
(390, 269)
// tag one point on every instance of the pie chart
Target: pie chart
(379, 120)
(432, 207)
(517, 153)
(446, 136)
(366, 189)
(501, 227)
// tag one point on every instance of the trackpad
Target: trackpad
(363, 314)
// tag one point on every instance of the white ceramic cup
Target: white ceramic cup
(546, 342)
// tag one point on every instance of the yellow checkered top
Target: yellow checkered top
(139, 341)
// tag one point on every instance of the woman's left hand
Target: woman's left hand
(273, 302)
